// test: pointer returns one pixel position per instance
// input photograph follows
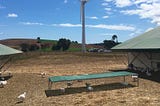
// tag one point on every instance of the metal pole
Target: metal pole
(83, 26)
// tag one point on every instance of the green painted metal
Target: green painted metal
(90, 76)
(5, 50)
(148, 40)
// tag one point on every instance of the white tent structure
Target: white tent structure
(143, 51)
(6, 51)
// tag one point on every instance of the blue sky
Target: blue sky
(55, 19)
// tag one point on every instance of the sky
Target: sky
(55, 19)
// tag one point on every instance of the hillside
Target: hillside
(15, 43)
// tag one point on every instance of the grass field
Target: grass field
(26, 69)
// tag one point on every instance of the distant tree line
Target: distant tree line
(61, 45)
(108, 44)
(25, 47)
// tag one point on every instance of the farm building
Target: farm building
(143, 51)
(6, 51)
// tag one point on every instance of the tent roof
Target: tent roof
(148, 41)
(5, 50)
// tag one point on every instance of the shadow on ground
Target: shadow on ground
(5, 77)
(155, 76)
(96, 88)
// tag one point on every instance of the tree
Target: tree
(25, 47)
(108, 44)
(114, 37)
(33, 47)
(63, 44)
(38, 40)
(55, 47)
(75, 42)
(45, 45)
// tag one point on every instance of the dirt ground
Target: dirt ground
(26, 77)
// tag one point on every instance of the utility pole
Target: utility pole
(83, 2)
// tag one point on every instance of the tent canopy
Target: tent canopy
(5, 50)
(149, 41)
(90, 76)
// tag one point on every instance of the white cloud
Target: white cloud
(123, 3)
(12, 15)
(149, 29)
(136, 33)
(107, 6)
(139, 1)
(108, 0)
(99, 26)
(67, 25)
(144, 1)
(94, 18)
(132, 34)
(31, 23)
(107, 9)
(119, 3)
(105, 17)
(147, 11)
(70, 25)
(65, 1)
(104, 4)
(131, 12)
(112, 27)
(107, 34)
(156, 20)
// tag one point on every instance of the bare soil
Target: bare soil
(26, 69)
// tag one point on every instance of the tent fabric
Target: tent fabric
(90, 76)
(5, 50)
(148, 41)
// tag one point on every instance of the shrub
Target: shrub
(62, 44)
(33, 47)
(25, 47)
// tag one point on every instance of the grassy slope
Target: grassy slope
(74, 47)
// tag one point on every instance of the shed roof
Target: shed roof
(5, 50)
(148, 41)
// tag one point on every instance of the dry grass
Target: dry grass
(106, 92)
